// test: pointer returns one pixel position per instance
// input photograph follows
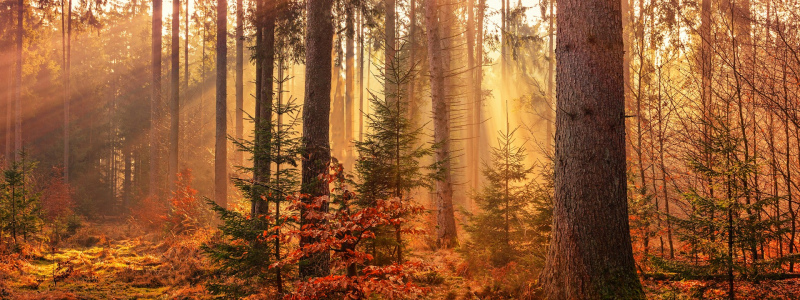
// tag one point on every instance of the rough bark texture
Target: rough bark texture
(316, 110)
(156, 95)
(590, 256)
(238, 156)
(262, 159)
(174, 104)
(220, 144)
(446, 228)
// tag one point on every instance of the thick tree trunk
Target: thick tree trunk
(220, 144)
(316, 110)
(174, 104)
(446, 230)
(239, 115)
(155, 99)
(590, 256)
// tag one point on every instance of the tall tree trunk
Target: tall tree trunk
(155, 99)
(220, 144)
(9, 109)
(18, 90)
(316, 110)
(361, 76)
(412, 43)
(186, 76)
(238, 155)
(550, 77)
(479, 89)
(349, 84)
(473, 164)
(390, 49)
(590, 255)
(68, 86)
(262, 153)
(174, 104)
(446, 230)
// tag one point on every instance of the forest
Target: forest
(399, 149)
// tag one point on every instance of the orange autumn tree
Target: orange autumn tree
(339, 232)
(185, 213)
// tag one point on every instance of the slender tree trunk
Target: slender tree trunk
(316, 110)
(446, 230)
(186, 77)
(220, 144)
(127, 184)
(18, 90)
(349, 84)
(479, 89)
(174, 104)
(412, 43)
(155, 99)
(361, 76)
(262, 152)
(68, 86)
(238, 155)
(550, 77)
(390, 49)
(590, 255)
(473, 164)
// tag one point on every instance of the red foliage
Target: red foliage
(150, 213)
(57, 200)
(183, 214)
(339, 231)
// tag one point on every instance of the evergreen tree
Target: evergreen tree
(20, 210)
(720, 225)
(390, 158)
(515, 209)
(247, 244)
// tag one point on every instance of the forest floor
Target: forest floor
(102, 262)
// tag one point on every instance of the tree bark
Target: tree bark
(18, 90)
(479, 89)
(473, 164)
(155, 99)
(349, 84)
(446, 230)
(316, 110)
(238, 155)
(262, 153)
(68, 87)
(389, 67)
(550, 78)
(220, 144)
(590, 256)
(174, 104)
